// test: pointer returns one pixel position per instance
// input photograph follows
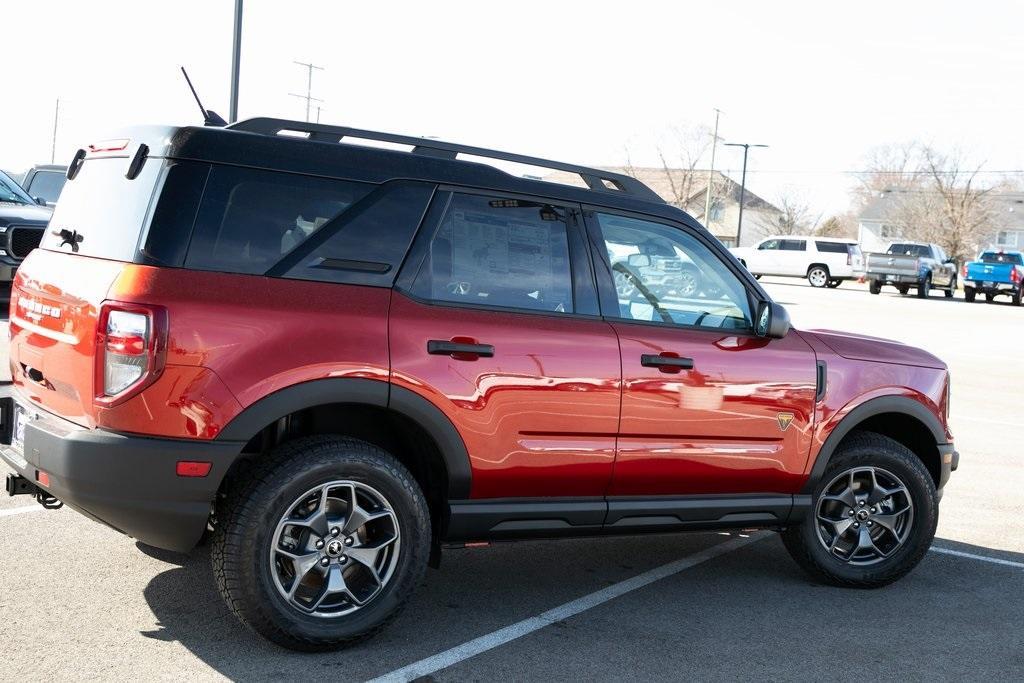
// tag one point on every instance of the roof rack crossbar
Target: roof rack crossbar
(595, 179)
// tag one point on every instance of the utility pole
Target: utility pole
(53, 145)
(236, 63)
(309, 87)
(711, 172)
(743, 183)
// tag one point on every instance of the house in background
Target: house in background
(686, 189)
(875, 232)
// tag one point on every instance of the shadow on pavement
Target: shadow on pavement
(476, 592)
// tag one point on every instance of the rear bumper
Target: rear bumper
(893, 278)
(126, 482)
(991, 287)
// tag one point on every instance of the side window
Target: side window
(47, 184)
(507, 253)
(832, 247)
(770, 245)
(249, 219)
(663, 274)
(793, 245)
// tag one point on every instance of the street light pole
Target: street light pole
(236, 63)
(743, 183)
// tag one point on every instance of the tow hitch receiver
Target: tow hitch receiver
(18, 485)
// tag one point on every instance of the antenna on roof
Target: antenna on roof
(210, 117)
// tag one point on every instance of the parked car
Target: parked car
(380, 351)
(995, 273)
(22, 222)
(44, 182)
(824, 261)
(912, 264)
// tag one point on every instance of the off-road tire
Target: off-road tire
(859, 450)
(248, 516)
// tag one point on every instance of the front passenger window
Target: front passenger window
(508, 253)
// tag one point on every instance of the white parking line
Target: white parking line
(23, 509)
(459, 653)
(983, 558)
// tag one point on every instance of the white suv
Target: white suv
(824, 261)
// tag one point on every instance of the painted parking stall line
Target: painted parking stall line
(477, 646)
(21, 510)
(981, 558)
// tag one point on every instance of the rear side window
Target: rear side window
(249, 219)
(833, 247)
(793, 245)
(490, 251)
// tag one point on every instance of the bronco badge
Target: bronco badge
(785, 419)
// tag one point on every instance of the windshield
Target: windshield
(910, 249)
(11, 192)
(1000, 257)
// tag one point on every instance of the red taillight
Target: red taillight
(192, 468)
(130, 347)
(1014, 275)
(963, 271)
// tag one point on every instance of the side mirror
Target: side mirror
(639, 260)
(951, 261)
(772, 320)
(40, 201)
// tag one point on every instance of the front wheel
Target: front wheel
(322, 543)
(872, 516)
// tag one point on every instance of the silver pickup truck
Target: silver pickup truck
(912, 264)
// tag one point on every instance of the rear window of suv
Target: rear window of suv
(833, 247)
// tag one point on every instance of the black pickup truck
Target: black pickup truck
(22, 221)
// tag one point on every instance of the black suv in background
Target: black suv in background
(22, 221)
(44, 183)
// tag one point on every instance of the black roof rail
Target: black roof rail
(595, 179)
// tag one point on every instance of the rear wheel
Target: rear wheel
(924, 288)
(969, 294)
(1016, 297)
(818, 276)
(832, 284)
(322, 543)
(875, 287)
(872, 517)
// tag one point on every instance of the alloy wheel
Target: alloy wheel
(335, 549)
(817, 277)
(864, 515)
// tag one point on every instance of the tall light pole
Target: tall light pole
(711, 172)
(309, 86)
(53, 144)
(743, 183)
(236, 63)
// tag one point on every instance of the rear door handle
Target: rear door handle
(440, 347)
(666, 363)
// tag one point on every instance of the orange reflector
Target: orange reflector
(193, 468)
(43, 478)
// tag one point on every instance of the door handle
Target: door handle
(666, 363)
(440, 347)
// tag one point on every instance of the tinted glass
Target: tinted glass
(793, 245)
(770, 245)
(492, 252)
(11, 192)
(910, 249)
(47, 184)
(250, 219)
(366, 245)
(104, 209)
(1000, 257)
(833, 247)
(663, 274)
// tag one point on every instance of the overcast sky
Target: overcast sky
(819, 82)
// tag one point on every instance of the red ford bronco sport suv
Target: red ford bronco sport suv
(337, 357)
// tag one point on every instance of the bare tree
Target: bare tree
(942, 201)
(794, 217)
(839, 225)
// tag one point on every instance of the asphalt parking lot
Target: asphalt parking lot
(80, 601)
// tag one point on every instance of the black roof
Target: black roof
(260, 143)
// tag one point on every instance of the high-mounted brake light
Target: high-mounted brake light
(130, 347)
(109, 145)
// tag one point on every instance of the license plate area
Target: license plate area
(18, 419)
(987, 285)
